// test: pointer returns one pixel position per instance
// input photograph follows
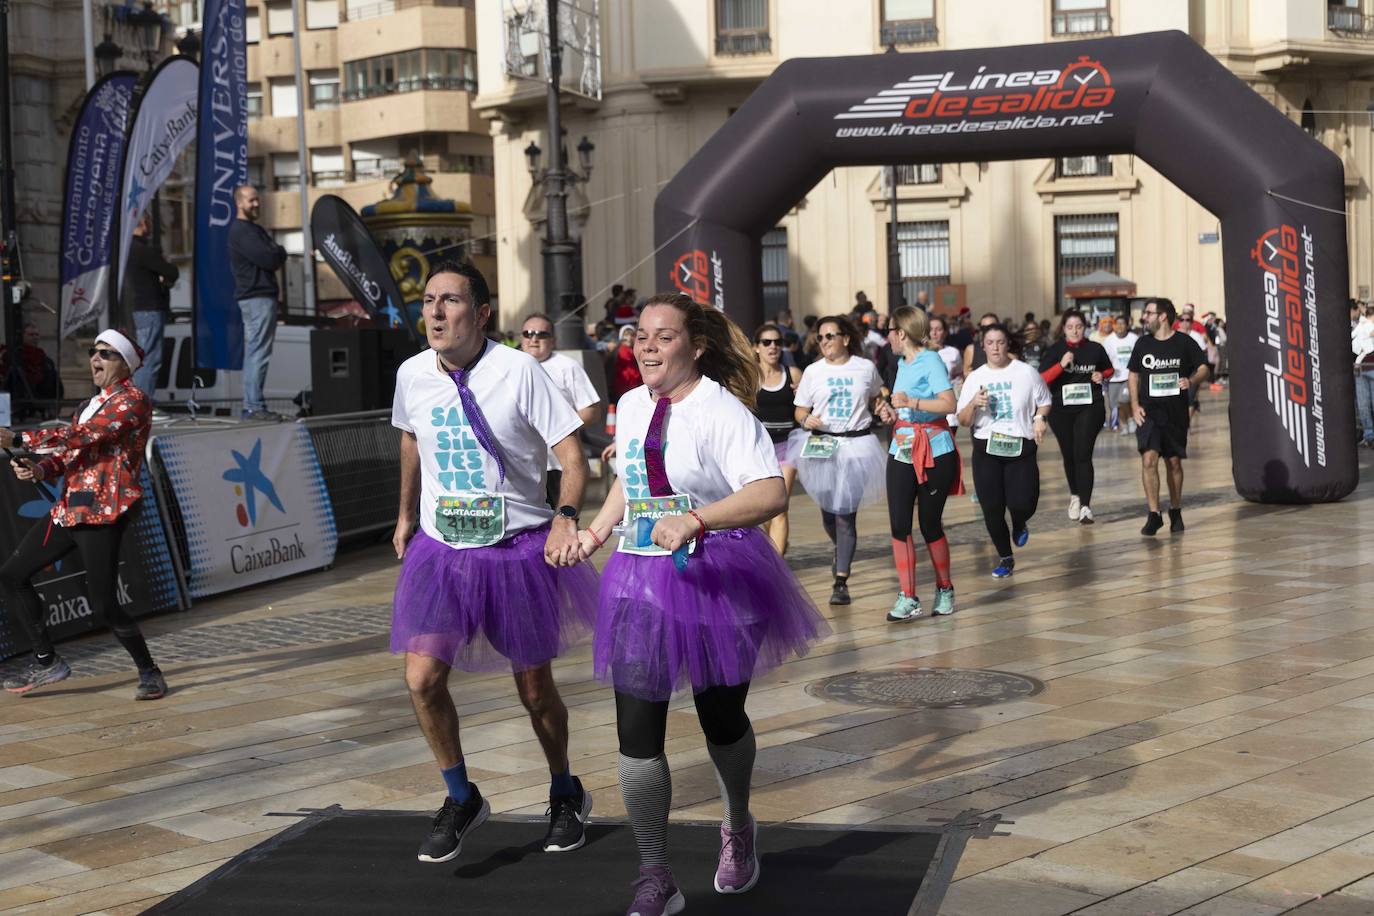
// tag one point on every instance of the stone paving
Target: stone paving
(1204, 743)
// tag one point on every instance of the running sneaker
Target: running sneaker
(1175, 521)
(1085, 516)
(568, 820)
(1019, 538)
(656, 893)
(839, 594)
(151, 685)
(738, 870)
(1075, 507)
(37, 675)
(944, 602)
(1153, 522)
(905, 609)
(1004, 568)
(452, 825)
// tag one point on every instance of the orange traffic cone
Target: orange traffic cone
(610, 420)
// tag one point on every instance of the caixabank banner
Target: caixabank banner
(147, 582)
(253, 503)
(1278, 193)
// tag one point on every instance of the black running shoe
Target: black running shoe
(36, 675)
(452, 824)
(839, 594)
(1175, 520)
(568, 820)
(151, 685)
(1153, 522)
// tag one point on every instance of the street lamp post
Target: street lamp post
(558, 249)
(8, 238)
(894, 257)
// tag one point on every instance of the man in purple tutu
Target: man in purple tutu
(491, 580)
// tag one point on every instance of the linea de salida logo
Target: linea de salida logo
(249, 481)
(951, 102)
(701, 278)
(1292, 368)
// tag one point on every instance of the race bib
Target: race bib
(1163, 384)
(1076, 394)
(820, 447)
(472, 520)
(1004, 446)
(904, 450)
(652, 508)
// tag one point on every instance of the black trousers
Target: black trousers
(98, 546)
(928, 499)
(1006, 485)
(642, 725)
(1077, 429)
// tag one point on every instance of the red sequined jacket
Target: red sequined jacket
(101, 459)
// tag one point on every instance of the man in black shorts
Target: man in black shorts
(1164, 366)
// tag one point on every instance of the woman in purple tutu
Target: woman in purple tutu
(700, 467)
(492, 580)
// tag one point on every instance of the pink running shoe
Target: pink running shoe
(656, 893)
(738, 870)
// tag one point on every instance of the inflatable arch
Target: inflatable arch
(1278, 193)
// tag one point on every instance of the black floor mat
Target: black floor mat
(365, 863)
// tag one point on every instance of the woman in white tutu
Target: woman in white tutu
(840, 462)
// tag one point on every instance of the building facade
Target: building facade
(1012, 232)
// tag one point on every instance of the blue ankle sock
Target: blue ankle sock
(456, 778)
(562, 783)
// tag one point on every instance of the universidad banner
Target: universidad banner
(253, 504)
(221, 166)
(349, 248)
(146, 584)
(90, 197)
(163, 123)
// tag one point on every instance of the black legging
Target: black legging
(904, 493)
(642, 725)
(1077, 428)
(1006, 485)
(842, 529)
(98, 546)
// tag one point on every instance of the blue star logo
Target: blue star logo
(135, 193)
(249, 475)
(39, 508)
(393, 315)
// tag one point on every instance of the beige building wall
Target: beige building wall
(666, 90)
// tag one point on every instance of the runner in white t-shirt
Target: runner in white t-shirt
(842, 464)
(1119, 345)
(492, 580)
(572, 381)
(950, 356)
(1005, 402)
(701, 469)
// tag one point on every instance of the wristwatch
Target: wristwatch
(569, 513)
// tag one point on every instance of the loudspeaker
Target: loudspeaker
(355, 368)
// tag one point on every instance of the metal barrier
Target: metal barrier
(358, 458)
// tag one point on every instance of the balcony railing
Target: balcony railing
(1349, 22)
(1083, 167)
(286, 182)
(926, 173)
(387, 7)
(329, 179)
(1082, 22)
(375, 169)
(909, 32)
(417, 84)
(743, 41)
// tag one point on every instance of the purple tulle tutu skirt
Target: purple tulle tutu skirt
(490, 608)
(735, 613)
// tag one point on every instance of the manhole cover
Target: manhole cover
(926, 688)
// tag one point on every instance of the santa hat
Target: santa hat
(121, 341)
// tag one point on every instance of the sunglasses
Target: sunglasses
(104, 354)
(770, 342)
(536, 335)
(828, 336)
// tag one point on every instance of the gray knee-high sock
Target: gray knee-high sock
(734, 770)
(647, 787)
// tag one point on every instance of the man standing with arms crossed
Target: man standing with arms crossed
(1164, 365)
(491, 580)
(255, 259)
(572, 381)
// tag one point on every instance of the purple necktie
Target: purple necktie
(653, 452)
(480, 429)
